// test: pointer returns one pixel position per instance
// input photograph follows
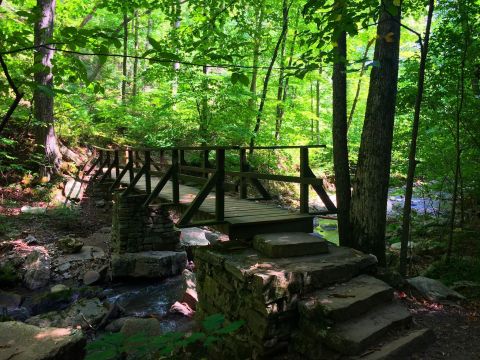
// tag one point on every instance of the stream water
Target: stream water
(146, 299)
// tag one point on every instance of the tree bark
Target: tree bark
(458, 149)
(370, 186)
(359, 84)
(42, 96)
(317, 108)
(340, 141)
(135, 61)
(18, 95)
(125, 53)
(252, 102)
(407, 207)
(281, 84)
(285, 85)
(268, 74)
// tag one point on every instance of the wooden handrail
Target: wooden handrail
(212, 176)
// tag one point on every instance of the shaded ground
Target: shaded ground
(80, 220)
(457, 329)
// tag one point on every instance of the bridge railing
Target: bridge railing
(170, 164)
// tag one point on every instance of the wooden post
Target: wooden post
(304, 175)
(109, 175)
(175, 186)
(182, 157)
(220, 185)
(243, 168)
(205, 163)
(117, 163)
(148, 179)
(130, 160)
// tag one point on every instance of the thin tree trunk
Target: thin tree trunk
(317, 108)
(125, 53)
(268, 74)
(252, 102)
(176, 65)
(340, 140)
(135, 62)
(370, 186)
(359, 84)
(290, 61)
(281, 84)
(312, 110)
(18, 95)
(89, 17)
(412, 162)
(458, 150)
(42, 98)
(204, 112)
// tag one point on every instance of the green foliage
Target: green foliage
(459, 268)
(168, 345)
(8, 275)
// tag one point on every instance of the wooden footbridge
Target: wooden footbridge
(220, 194)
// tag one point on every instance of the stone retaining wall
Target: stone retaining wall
(137, 229)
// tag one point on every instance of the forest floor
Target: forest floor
(456, 326)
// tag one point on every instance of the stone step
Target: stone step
(346, 300)
(277, 245)
(400, 348)
(352, 337)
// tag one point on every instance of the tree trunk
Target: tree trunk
(412, 162)
(458, 149)
(370, 186)
(340, 141)
(252, 102)
(285, 85)
(176, 65)
(42, 96)
(204, 112)
(268, 74)
(125, 53)
(317, 108)
(281, 84)
(135, 62)
(359, 84)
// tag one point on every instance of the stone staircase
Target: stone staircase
(312, 299)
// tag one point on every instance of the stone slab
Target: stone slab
(276, 245)
(354, 336)
(148, 264)
(403, 347)
(276, 278)
(87, 253)
(346, 300)
(20, 341)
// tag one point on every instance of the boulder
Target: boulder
(37, 266)
(148, 264)
(20, 341)
(117, 324)
(182, 308)
(70, 245)
(59, 288)
(431, 289)
(134, 326)
(31, 240)
(190, 296)
(9, 300)
(192, 237)
(32, 210)
(84, 313)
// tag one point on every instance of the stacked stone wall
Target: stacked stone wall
(136, 228)
(270, 317)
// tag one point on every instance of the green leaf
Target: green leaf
(155, 44)
(240, 77)
(46, 90)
